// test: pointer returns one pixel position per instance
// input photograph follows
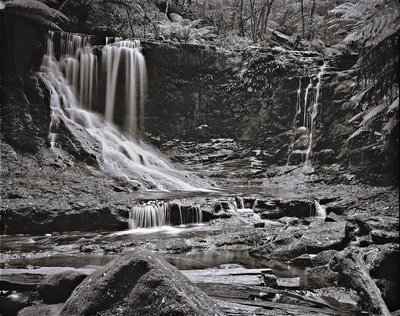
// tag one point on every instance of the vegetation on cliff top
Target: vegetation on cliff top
(328, 26)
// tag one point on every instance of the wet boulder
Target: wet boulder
(139, 284)
(324, 236)
(324, 257)
(12, 302)
(75, 140)
(284, 247)
(58, 287)
(302, 261)
(381, 229)
(298, 240)
(307, 260)
(326, 156)
(322, 276)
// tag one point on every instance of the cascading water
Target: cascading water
(320, 210)
(135, 75)
(302, 140)
(149, 215)
(306, 102)
(72, 82)
(158, 214)
(314, 112)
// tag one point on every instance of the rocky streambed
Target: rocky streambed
(260, 249)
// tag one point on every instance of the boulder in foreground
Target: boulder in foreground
(139, 284)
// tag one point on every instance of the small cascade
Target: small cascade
(71, 94)
(240, 206)
(239, 203)
(320, 210)
(157, 214)
(302, 140)
(149, 215)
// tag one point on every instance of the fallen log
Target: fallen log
(227, 276)
(354, 274)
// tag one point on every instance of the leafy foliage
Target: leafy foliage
(36, 11)
(366, 21)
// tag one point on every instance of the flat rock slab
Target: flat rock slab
(27, 279)
(41, 310)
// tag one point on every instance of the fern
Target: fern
(36, 11)
(373, 113)
(366, 21)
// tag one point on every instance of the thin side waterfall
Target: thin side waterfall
(305, 103)
(314, 111)
(122, 155)
(298, 100)
(302, 140)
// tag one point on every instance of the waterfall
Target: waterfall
(302, 140)
(298, 100)
(157, 214)
(314, 112)
(149, 215)
(127, 53)
(320, 210)
(305, 103)
(72, 81)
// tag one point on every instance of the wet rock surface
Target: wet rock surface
(295, 241)
(41, 310)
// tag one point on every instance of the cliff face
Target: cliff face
(25, 112)
(255, 96)
(361, 114)
(200, 93)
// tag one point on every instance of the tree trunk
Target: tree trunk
(302, 19)
(241, 22)
(129, 21)
(311, 32)
(353, 273)
(266, 16)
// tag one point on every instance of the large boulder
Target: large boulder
(56, 288)
(138, 284)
